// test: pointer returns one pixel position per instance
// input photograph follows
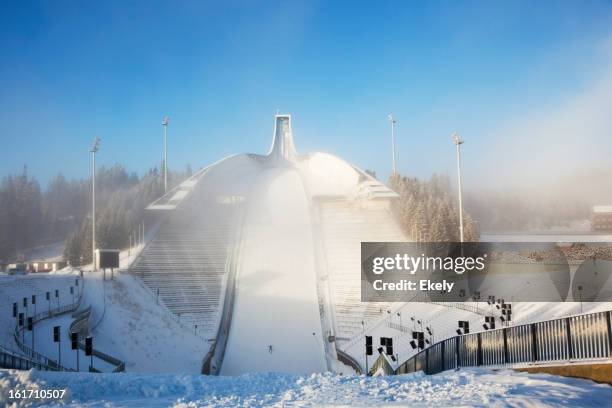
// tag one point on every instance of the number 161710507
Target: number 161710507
(35, 393)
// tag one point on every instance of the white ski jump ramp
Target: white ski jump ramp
(276, 324)
(278, 313)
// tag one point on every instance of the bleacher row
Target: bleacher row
(186, 264)
(344, 225)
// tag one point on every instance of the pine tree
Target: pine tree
(425, 210)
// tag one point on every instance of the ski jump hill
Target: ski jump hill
(262, 253)
(259, 255)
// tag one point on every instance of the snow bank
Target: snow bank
(479, 388)
(137, 330)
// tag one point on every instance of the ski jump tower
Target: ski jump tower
(262, 252)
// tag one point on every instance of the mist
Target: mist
(547, 169)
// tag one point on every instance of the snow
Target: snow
(45, 252)
(297, 279)
(276, 304)
(443, 322)
(15, 288)
(132, 326)
(135, 329)
(467, 388)
(43, 335)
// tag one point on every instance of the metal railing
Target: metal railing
(80, 325)
(12, 360)
(581, 337)
(349, 361)
(35, 357)
(213, 360)
(381, 366)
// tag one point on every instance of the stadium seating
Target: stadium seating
(344, 225)
(185, 263)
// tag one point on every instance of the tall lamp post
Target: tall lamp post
(458, 142)
(94, 149)
(393, 122)
(165, 122)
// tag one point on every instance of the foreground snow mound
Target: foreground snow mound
(466, 388)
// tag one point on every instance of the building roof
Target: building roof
(602, 208)
(323, 174)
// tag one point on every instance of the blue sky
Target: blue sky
(71, 70)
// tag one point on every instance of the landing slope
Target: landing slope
(276, 303)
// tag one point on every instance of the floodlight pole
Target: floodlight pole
(393, 122)
(458, 142)
(165, 122)
(93, 151)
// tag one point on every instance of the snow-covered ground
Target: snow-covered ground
(135, 329)
(443, 321)
(15, 288)
(465, 388)
(127, 322)
(45, 252)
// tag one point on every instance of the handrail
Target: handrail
(578, 337)
(11, 360)
(35, 359)
(211, 364)
(152, 232)
(34, 355)
(462, 306)
(376, 323)
(348, 360)
(81, 325)
(381, 364)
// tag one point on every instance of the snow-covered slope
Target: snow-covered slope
(15, 288)
(282, 314)
(131, 326)
(276, 324)
(465, 388)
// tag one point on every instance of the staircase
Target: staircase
(185, 264)
(344, 225)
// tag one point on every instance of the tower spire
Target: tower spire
(283, 147)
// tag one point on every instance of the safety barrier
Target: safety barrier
(348, 360)
(581, 337)
(381, 366)
(81, 325)
(35, 357)
(12, 360)
(211, 364)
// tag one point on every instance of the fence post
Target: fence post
(427, 361)
(570, 351)
(479, 350)
(505, 333)
(442, 347)
(534, 343)
(608, 323)
(457, 351)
